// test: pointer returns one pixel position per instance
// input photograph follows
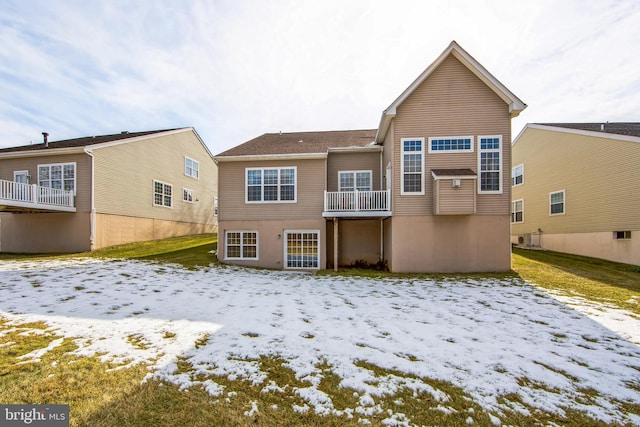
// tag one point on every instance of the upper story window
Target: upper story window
(162, 194)
(191, 168)
(517, 175)
(451, 144)
(412, 165)
(354, 180)
(270, 185)
(490, 164)
(61, 176)
(556, 203)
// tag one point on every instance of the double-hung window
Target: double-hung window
(517, 211)
(61, 176)
(270, 185)
(556, 203)
(354, 180)
(162, 194)
(187, 195)
(191, 168)
(490, 164)
(241, 245)
(517, 175)
(412, 165)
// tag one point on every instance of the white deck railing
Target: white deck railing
(356, 201)
(32, 195)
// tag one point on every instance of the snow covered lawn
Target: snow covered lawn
(492, 338)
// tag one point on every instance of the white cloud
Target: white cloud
(235, 70)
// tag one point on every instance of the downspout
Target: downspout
(92, 236)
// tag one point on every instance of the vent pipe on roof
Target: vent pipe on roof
(45, 137)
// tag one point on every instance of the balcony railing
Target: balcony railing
(32, 196)
(357, 201)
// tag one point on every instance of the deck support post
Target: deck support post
(335, 244)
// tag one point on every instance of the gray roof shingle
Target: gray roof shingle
(619, 128)
(81, 142)
(302, 142)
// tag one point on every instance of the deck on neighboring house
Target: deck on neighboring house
(18, 197)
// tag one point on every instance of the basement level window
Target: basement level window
(622, 235)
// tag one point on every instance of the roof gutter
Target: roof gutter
(256, 157)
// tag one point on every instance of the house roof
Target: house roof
(515, 104)
(453, 172)
(82, 142)
(301, 143)
(618, 128)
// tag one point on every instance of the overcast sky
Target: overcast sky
(237, 69)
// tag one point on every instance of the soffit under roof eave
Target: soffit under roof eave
(43, 152)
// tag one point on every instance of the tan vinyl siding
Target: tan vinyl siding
(451, 102)
(599, 176)
(454, 201)
(83, 173)
(310, 187)
(353, 162)
(124, 176)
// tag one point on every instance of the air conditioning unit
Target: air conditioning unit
(524, 239)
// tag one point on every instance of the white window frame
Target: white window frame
(215, 206)
(422, 166)
(241, 244)
(441, 138)
(564, 202)
(355, 179)
(189, 193)
(279, 184)
(24, 173)
(164, 184)
(514, 176)
(286, 247)
(62, 165)
(193, 169)
(513, 211)
(622, 235)
(500, 159)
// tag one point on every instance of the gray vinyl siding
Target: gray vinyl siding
(599, 175)
(83, 173)
(452, 101)
(310, 187)
(353, 162)
(124, 175)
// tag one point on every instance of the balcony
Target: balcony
(356, 204)
(18, 197)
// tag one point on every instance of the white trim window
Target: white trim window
(61, 176)
(412, 166)
(557, 203)
(162, 194)
(21, 177)
(490, 164)
(302, 249)
(354, 180)
(187, 195)
(215, 206)
(240, 244)
(451, 144)
(191, 167)
(271, 185)
(517, 175)
(622, 235)
(517, 211)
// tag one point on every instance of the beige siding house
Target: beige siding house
(86, 193)
(427, 191)
(576, 189)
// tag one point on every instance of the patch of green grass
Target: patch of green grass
(590, 278)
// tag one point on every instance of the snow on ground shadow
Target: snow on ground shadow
(484, 336)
